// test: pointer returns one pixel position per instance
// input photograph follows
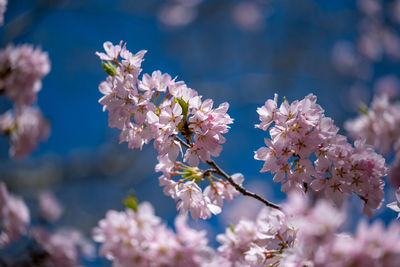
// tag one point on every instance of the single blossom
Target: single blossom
(49, 206)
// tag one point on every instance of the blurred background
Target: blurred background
(241, 52)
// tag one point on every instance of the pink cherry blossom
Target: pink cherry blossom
(257, 243)
(63, 246)
(159, 107)
(305, 149)
(112, 51)
(23, 68)
(25, 129)
(49, 206)
(3, 5)
(379, 127)
(396, 204)
(191, 199)
(139, 238)
(14, 217)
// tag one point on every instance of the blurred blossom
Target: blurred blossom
(369, 45)
(320, 244)
(377, 41)
(376, 38)
(177, 15)
(378, 125)
(189, 2)
(391, 43)
(14, 217)
(22, 69)
(369, 7)
(3, 5)
(388, 85)
(248, 16)
(395, 10)
(63, 246)
(355, 96)
(49, 206)
(346, 59)
(25, 129)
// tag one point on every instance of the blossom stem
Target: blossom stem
(219, 171)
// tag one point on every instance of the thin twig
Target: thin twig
(241, 189)
(181, 141)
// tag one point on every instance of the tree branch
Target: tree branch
(227, 177)
(181, 141)
(240, 188)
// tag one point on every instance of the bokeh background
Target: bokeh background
(241, 52)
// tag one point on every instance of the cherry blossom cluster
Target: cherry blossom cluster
(305, 150)
(377, 39)
(60, 247)
(302, 234)
(187, 191)
(379, 125)
(318, 242)
(308, 235)
(14, 217)
(257, 243)
(316, 231)
(162, 109)
(22, 69)
(63, 247)
(159, 107)
(137, 238)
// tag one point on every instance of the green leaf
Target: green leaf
(131, 202)
(185, 107)
(363, 109)
(232, 227)
(109, 67)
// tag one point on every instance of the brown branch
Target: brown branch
(241, 189)
(181, 141)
